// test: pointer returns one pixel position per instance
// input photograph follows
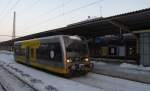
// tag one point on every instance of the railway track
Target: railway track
(2, 88)
(111, 84)
(9, 82)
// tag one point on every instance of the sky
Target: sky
(33, 16)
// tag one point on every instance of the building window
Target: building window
(131, 51)
(112, 51)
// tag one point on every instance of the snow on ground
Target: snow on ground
(112, 84)
(99, 63)
(1, 89)
(48, 82)
(124, 70)
(124, 65)
(41, 80)
(6, 57)
(139, 67)
(8, 80)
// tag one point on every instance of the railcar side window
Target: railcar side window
(32, 52)
(50, 51)
(42, 51)
(19, 51)
(52, 54)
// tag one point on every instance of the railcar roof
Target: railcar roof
(54, 36)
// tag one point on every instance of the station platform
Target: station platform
(124, 71)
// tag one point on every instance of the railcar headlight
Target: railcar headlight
(86, 59)
(69, 60)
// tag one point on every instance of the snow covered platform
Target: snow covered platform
(125, 71)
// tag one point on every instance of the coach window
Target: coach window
(50, 51)
(55, 51)
(112, 51)
(42, 52)
(19, 51)
(52, 54)
(32, 53)
(22, 51)
(131, 51)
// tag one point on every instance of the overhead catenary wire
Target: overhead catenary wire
(5, 7)
(10, 9)
(54, 9)
(15, 4)
(28, 8)
(58, 7)
(7, 36)
(64, 13)
(37, 1)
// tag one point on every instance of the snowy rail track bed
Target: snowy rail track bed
(43, 81)
(9, 82)
(2, 88)
(40, 80)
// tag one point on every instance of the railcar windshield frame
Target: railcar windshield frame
(75, 46)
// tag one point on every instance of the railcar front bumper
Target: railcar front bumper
(79, 69)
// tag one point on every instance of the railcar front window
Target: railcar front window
(75, 47)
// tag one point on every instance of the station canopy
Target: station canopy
(123, 23)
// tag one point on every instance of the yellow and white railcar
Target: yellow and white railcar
(61, 54)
